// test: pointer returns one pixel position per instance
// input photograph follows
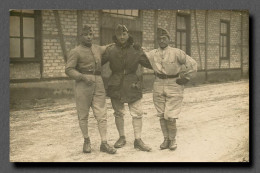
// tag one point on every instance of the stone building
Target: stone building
(41, 39)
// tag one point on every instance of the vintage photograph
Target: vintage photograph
(129, 85)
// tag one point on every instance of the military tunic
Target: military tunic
(167, 94)
(86, 62)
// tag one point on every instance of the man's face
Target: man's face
(87, 37)
(163, 41)
(122, 37)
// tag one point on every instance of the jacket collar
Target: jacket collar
(128, 43)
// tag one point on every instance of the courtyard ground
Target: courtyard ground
(213, 127)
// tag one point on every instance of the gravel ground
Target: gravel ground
(213, 127)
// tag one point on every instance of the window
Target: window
(224, 40)
(123, 13)
(182, 33)
(24, 35)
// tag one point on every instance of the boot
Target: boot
(86, 146)
(119, 120)
(120, 142)
(139, 144)
(171, 124)
(165, 144)
(104, 147)
(172, 144)
(164, 128)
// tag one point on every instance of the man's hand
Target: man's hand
(182, 75)
(136, 85)
(87, 81)
(183, 79)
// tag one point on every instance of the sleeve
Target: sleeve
(144, 61)
(104, 48)
(105, 56)
(181, 57)
(71, 64)
(190, 66)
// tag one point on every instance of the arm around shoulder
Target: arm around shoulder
(70, 68)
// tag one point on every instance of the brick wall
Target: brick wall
(53, 62)
(148, 29)
(148, 41)
(52, 57)
(245, 43)
(198, 36)
(24, 71)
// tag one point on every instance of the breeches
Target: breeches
(91, 96)
(167, 98)
(135, 108)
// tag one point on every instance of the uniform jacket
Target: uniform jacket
(82, 59)
(171, 61)
(123, 83)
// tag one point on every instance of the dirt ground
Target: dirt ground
(213, 127)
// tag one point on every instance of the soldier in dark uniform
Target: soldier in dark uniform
(84, 66)
(124, 86)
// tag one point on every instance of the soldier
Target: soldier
(173, 68)
(84, 66)
(124, 86)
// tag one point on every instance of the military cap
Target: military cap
(86, 29)
(162, 32)
(120, 28)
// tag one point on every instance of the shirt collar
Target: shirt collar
(160, 49)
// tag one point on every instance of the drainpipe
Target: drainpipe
(206, 45)
(241, 47)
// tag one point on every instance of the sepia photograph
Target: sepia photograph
(129, 85)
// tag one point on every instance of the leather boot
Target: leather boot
(172, 144)
(119, 120)
(164, 128)
(171, 124)
(165, 144)
(139, 144)
(86, 146)
(104, 147)
(120, 142)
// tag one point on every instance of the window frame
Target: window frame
(186, 31)
(104, 11)
(37, 37)
(227, 35)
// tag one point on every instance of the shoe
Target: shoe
(104, 147)
(87, 146)
(139, 144)
(120, 142)
(172, 145)
(165, 144)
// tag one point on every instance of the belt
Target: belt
(124, 72)
(164, 76)
(91, 72)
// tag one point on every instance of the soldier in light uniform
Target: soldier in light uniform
(84, 66)
(173, 68)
